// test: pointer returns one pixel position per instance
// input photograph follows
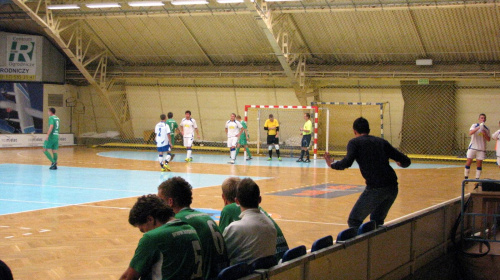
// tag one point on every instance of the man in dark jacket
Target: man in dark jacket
(372, 155)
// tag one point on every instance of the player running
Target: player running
(162, 143)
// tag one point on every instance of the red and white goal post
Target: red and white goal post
(290, 119)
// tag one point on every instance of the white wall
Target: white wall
(211, 106)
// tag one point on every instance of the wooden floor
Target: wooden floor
(95, 241)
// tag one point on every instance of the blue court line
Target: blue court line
(256, 161)
(34, 187)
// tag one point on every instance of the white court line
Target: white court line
(27, 201)
(21, 155)
(66, 187)
(309, 222)
(108, 207)
(28, 233)
(25, 228)
(4, 226)
(65, 205)
(9, 236)
(44, 230)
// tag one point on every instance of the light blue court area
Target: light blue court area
(34, 187)
(323, 191)
(256, 161)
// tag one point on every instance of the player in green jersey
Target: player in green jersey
(169, 248)
(174, 128)
(231, 212)
(243, 141)
(52, 140)
(178, 194)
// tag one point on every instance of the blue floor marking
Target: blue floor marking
(256, 161)
(34, 187)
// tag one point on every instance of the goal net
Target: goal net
(290, 118)
(336, 118)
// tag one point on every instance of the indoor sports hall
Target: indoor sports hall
(420, 72)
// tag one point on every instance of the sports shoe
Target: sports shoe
(307, 161)
(189, 159)
(231, 161)
(300, 160)
(166, 167)
(53, 166)
(279, 159)
(249, 158)
(269, 159)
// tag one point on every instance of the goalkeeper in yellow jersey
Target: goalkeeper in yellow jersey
(273, 129)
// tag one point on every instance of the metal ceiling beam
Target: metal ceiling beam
(203, 51)
(419, 36)
(263, 17)
(279, 43)
(74, 51)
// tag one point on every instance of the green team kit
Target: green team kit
(52, 143)
(243, 140)
(172, 124)
(243, 136)
(171, 251)
(231, 213)
(212, 242)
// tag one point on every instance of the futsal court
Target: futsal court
(72, 223)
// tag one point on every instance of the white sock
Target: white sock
(466, 172)
(189, 153)
(168, 158)
(160, 159)
(233, 154)
(478, 174)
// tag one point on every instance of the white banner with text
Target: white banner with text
(32, 140)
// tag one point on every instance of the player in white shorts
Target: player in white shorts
(496, 136)
(188, 127)
(233, 131)
(477, 148)
(162, 143)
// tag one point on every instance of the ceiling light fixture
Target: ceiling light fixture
(188, 2)
(229, 1)
(145, 4)
(63, 7)
(102, 5)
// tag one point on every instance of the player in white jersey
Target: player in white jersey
(233, 131)
(162, 143)
(188, 127)
(496, 136)
(477, 148)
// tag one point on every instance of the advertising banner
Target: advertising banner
(20, 61)
(21, 107)
(32, 140)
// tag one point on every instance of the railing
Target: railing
(391, 252)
